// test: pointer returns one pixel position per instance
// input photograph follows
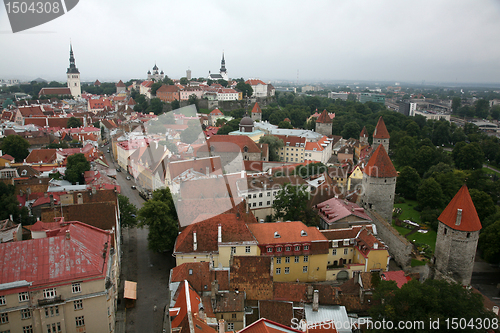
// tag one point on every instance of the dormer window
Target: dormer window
(303, 233)
(278, 249)
(276, 235)
(306, 247)
(335, 243)
(288, 248)
(346, 242)
(24, 173)
(190, 272)
(245, 149)
(297, 247)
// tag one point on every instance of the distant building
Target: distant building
(259, 88)
(155, 75)
(256, 112)
(222, 72)
(73, 75)
(370, 97)
(120, 87)
(381, 135)
(324, 124)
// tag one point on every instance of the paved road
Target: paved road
(149, 269)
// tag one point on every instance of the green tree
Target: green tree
(193, 100)
(155, 106)
(245, 88)
(468, 156)
(230, 126)
(274, 145)
(74, 122)
(456, 103)
(482, 107)
(495, 112)
(16, 146)
(8, 202)
(290, 203)
(154, 87)
(351, 130)
(430, 195)
(222, 82)
(488, 243)
(76, 165)
(128, 212)
(422, 302)
(183, 81)
(285, 124)
(483, 203)
(7, 103)
(220, 122)
(160, 216)
(175, 104)
(408, 182)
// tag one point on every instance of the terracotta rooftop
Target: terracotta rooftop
(256, 108)
(381, 131)
(254, 82)
(469, 220)
(264, 325)
(230, 143)
(288, 232)
(380, 165)
(335, 209)
(280, 312)
(120, 84)
(364, 133)
(324, 117)
(167, 88)
(42, 155)
(251, 274)
(54, 91)
(398, 276)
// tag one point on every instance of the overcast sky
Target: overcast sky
(435, 41)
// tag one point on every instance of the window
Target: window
(287, 270)
(288, 248)
(249, 196)
(304, 269)
(335, 243)
(278, 249)
(80, 321)
(54, 328)
(230, 326)
(345, 251)
(25, 313)
(269, 249)
(76, 288)
(49, 293)
(28, 329)
(268, 194)
(260, 204)
(278, 270)
(306, 258)
(4, 318)
(346, 242)
(247, 249)
(306, 247)
(260, 195)
(2, 300)
(334, 252)
(287, 260)
(233, 316)
(233, 249)
(78, 305)
(278, 260)
(255, 196)
(297, 258)
(24, 296)
(269, 203)
(51, 311)
(254, 204)
(7, 331)
(297, 247)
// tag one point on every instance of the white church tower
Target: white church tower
(73, 76)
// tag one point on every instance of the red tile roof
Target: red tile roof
(398, 276)
(42, 155)
(233, 229)
(364, 132)
(380, 165)
(54, 259)
(216, 112)
(120, 84)
(381, 131)
(264, 325)
(324, 118)
(292, 141)
(280, 312)
(335, 209)
(254, 82)
(228, 143)
(289, 232)
(256, 108)
(7, 157)
(167, 88)
(469, 221)
(31, 111)
(54, 91)
(131, 101)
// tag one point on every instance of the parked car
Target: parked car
(133, 187)
(118, 170)
(128, 178)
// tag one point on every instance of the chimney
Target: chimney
(315, 300)
(68, 236)
(459, 217)
(219, 234)
(221, 326)
(195, 241)
(51, 201)
(375, 246)
(201, 311)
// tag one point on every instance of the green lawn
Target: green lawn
(429, 238)
(491, 172)
(415, 262)
(205, 111)
(408, 213)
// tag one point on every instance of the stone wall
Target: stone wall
(378, 195)
(399, 247)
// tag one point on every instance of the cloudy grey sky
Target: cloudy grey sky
(389, 40)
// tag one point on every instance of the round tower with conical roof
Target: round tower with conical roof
(324, 123)
(379, 184)
(256, 112)
(381, 135)
(456, 241)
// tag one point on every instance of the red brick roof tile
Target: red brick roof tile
(364, 133)
(381, 131)
(469, 221)
(324, 117)
(380, 165)
(256, 108)
(280, 312)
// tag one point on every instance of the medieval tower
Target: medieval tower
(457, 236)
(256, 113)
(379, 184)
(363, 136)
(73, 76)
(324, 124)
(381, 135)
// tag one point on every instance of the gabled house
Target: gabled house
(337, 213)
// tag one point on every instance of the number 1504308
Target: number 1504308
(16, 7)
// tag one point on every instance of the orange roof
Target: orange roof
(131, 101)
(380, 164)
(167, 88)
(229, 143)
(469, 221)
(324, 117)
(120, 84)
(254, 82)
(381, 131)
(289, 232)
(364, 132)
(264, 325)
(216, 112)
(256, 108)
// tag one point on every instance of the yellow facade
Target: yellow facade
(356, 176)
(303, 268)
(291, 154)
(220, 259)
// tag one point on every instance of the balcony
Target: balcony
(49, 301)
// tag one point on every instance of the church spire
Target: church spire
(72, 67)
(223, 64)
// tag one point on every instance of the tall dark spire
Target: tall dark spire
(223, 64)
(72, 67)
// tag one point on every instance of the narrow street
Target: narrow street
(149, 269)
